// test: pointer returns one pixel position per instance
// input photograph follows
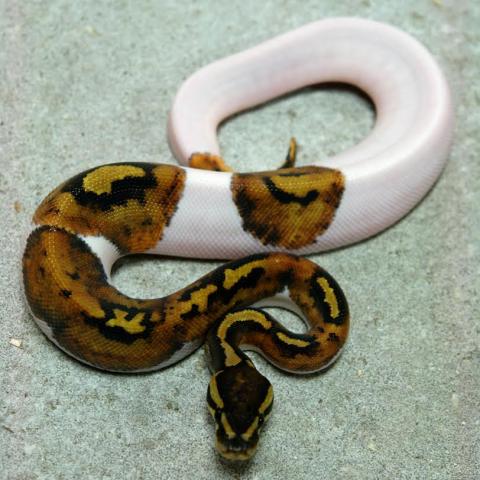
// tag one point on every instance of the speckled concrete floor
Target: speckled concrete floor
(84, 83)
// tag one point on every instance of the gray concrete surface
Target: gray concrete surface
(83, 83)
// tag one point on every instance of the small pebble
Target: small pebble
(16, 342)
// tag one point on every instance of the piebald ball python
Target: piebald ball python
(205, 210)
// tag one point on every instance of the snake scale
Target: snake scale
(263, 221)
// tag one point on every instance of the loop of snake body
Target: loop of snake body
(205, 210)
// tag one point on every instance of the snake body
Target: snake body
(205, 210)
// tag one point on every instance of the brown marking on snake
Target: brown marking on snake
(288, 208)
(208, 161)
(130, 204)
(99, 325)
(94, 321)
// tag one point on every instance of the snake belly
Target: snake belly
(91, 220)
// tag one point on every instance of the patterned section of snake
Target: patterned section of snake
(91, 220)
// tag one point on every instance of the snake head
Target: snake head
(239, 399)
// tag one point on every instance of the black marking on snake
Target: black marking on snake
(73, 276)
(268, 233)
(169, 192)
(285, 197)
(123, 190)
(187, 297)
(65, 293)
(244, 203)
(333, 337)
(286, 277)
(291, 350)
(247, 281)
(210, 402)
(53, 211)
(192, 313)
(76, 243)
(336, 195)
(180, 330)
(246, 208)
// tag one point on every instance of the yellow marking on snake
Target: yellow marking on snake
(330, 297)
(212, 413)
(131, 326)
(231, 358)
(250, 430)
(226, 426)
(267, 402)
(292, 149)
(90, 305)
(199, 298)
(292, 341)
(232, 276)
(214, 393)
(100, 180)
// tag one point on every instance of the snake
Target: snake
(263, 223)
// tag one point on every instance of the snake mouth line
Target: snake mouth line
(236, 453)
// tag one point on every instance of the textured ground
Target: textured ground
(83, 83)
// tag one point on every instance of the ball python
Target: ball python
(263, 221)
